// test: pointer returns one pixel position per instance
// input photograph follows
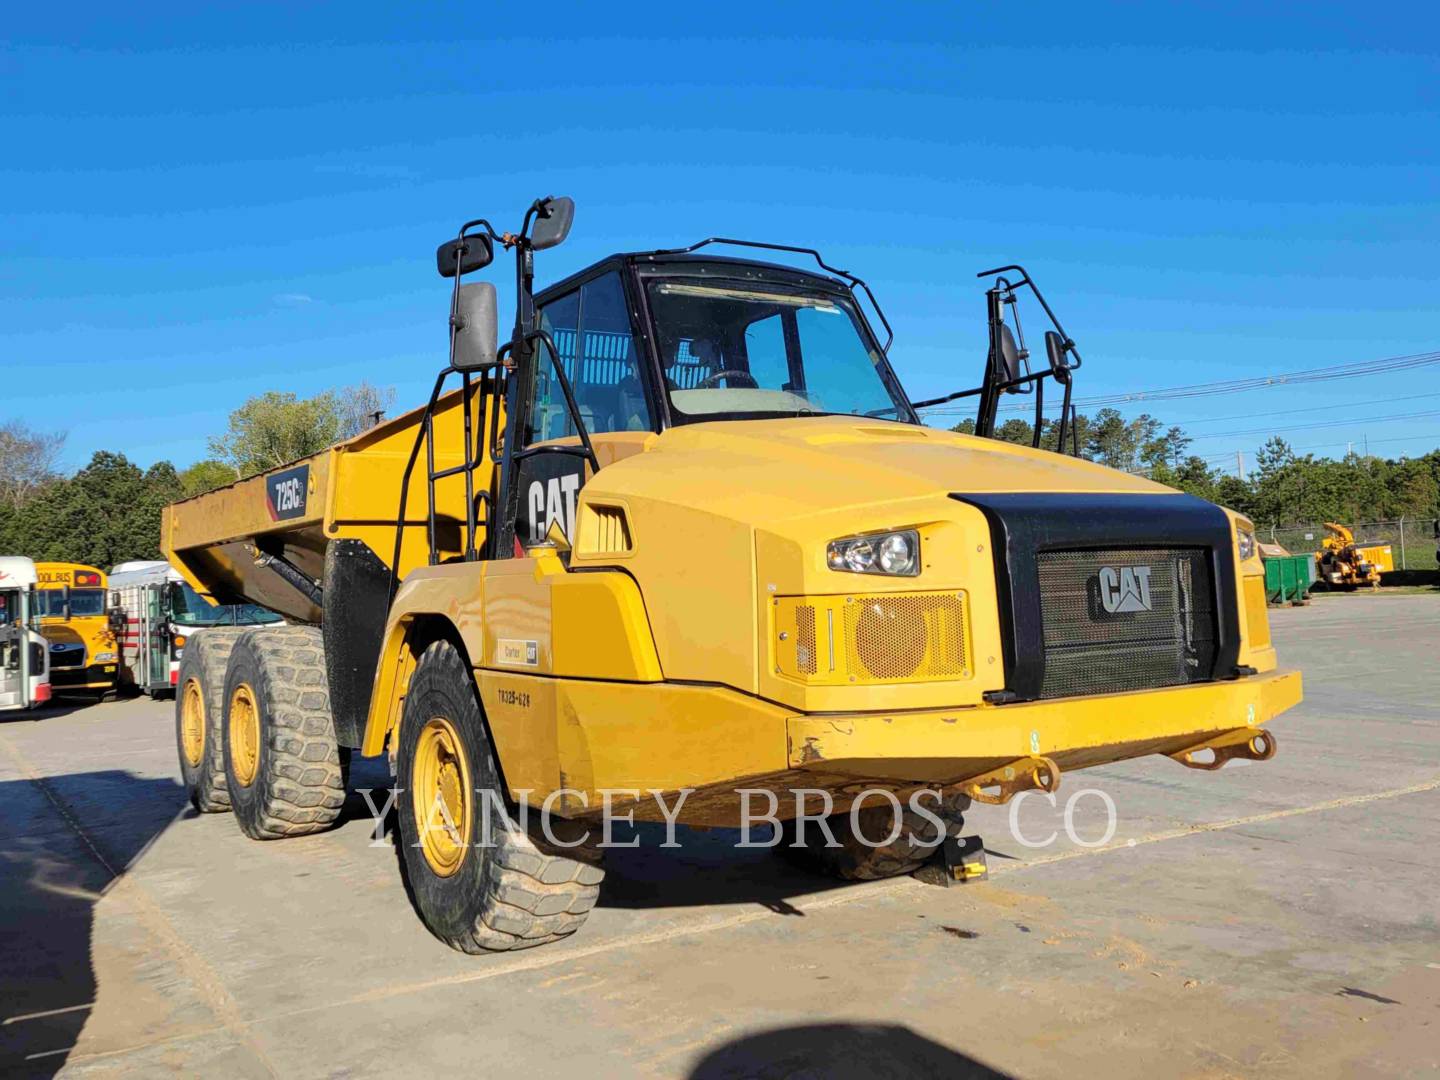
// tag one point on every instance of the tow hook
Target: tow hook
(1245, 743)
(1023, 774)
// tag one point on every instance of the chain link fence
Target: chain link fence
(1412, 540)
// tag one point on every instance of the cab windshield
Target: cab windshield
(737, 352)
(189, 608)
(50, 603)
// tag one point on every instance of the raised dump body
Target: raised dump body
(713, 565)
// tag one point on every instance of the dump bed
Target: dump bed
(351, 490)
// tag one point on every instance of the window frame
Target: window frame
(645, 364)
(636, 270)
(742, 274)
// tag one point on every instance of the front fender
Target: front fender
(432, 602)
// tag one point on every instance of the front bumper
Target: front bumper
(948, 746)
(91, 677)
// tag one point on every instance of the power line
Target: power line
(1325, 446)
(1354, 369)
(1312, 408)
(1326, 423)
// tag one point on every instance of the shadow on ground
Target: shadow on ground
(706, 868)
(838, 1052)
(52, 874)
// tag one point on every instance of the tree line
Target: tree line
(1283, 488)
(109, 511)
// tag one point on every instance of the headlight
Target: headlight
(105, 658)
(894, 553)
(1245, 541)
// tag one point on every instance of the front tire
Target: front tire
(283, 768)
(475, 897)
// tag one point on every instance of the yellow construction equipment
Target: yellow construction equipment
(1343, 564)
(681, 549)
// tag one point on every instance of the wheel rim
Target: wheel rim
(192, 722)
(244, 735)
(440, 789)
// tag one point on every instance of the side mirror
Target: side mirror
(475, 326)
(1009, 355)
(1056, 348)
(464, 255)
(117, 621)
(65, 603)
(552, 222)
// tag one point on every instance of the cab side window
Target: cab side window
(591, 328)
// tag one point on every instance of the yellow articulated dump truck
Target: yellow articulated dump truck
(681, 549)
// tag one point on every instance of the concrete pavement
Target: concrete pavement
(1268, 920)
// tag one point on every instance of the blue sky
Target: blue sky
(200, 203)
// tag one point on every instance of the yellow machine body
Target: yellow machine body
(1346, 564)
(690, 635)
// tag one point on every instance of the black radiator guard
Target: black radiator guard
(1022, 524)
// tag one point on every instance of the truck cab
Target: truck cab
(24, 651)
(155, 611)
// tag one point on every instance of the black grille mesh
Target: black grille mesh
(1089, 650)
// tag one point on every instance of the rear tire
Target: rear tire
(856, 860)
(283, 768)
(508, 895)
(199, 704)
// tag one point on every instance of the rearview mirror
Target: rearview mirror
(475, 324)
(1055, 349)
(1009, 355)
(464, 254)
(552, 222)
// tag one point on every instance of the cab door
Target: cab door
(591, 329)
(155, 639)
(13, 653)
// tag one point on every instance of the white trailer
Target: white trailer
(24, 652)
(154, 610)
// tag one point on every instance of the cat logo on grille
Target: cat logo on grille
(1124, 588)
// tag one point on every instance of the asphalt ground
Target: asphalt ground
(1273, 919)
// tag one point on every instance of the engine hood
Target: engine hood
(772, 469)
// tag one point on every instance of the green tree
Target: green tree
(206, 475)
(276, 428)
(107, 513)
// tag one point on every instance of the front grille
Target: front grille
(1120, 619)
(67, 655)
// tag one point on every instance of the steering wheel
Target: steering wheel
(711, 381)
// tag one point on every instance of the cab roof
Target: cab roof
(689, 263)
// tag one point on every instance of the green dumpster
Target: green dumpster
(1288, 579)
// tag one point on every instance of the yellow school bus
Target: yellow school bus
(71, 602)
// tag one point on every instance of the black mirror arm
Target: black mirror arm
(1025, 280)
(999, 387)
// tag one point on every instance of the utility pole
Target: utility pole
(1239, 464)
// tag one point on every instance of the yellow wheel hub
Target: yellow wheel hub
(192, 722)
(244, 734)
(440, 788)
